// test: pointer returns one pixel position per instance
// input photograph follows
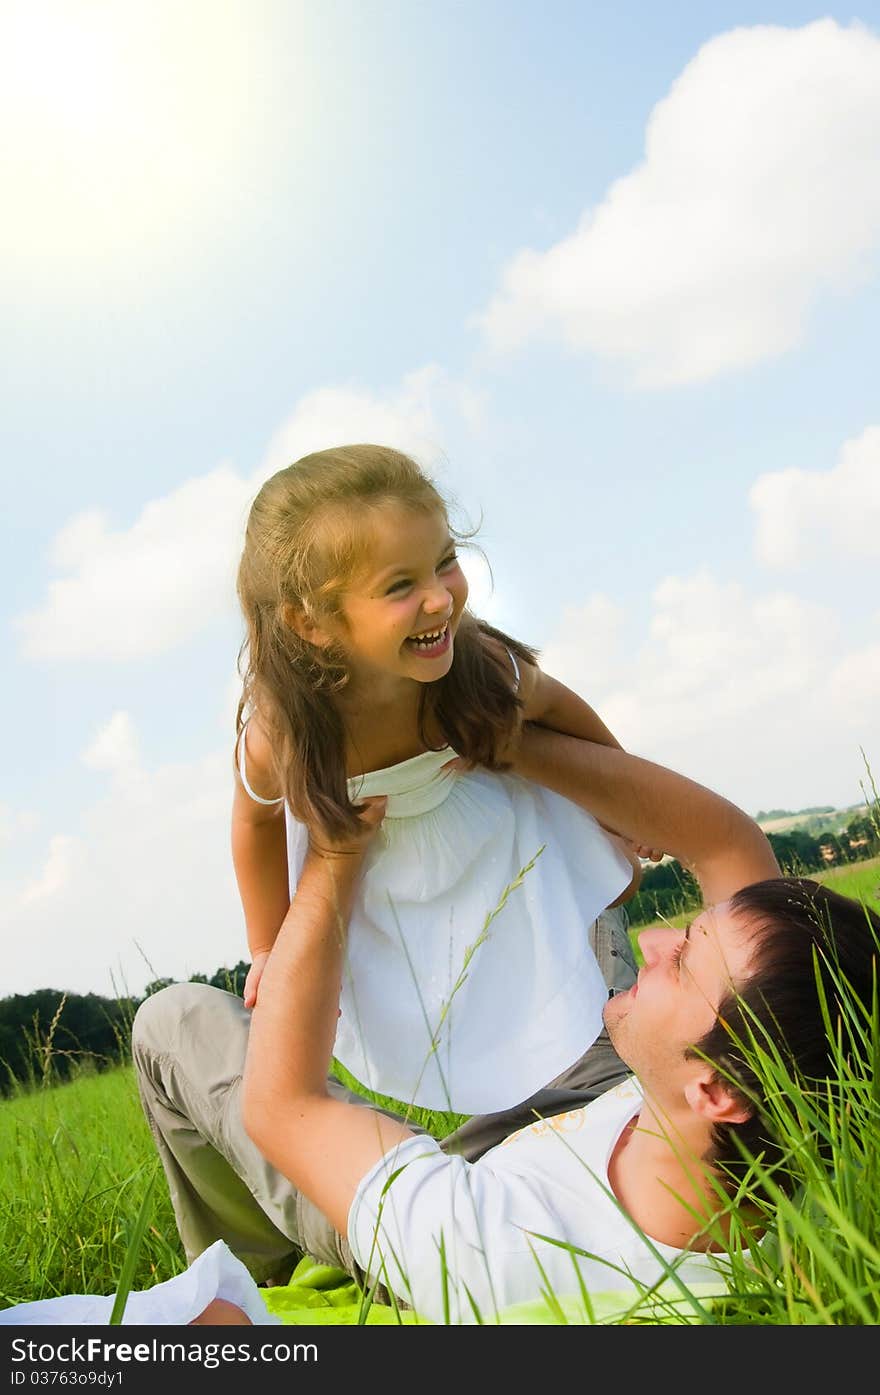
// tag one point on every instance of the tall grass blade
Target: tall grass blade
(129, 1264)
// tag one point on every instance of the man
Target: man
(632, 1183)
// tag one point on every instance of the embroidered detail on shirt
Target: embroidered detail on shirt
(569, 1122)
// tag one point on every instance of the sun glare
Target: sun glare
(123, 122)
(482, 597)
(59, 74)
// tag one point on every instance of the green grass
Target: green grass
(438, 1122)
(85, 1206)
(76, 1160)
(858, 879)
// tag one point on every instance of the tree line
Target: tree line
(47, 1035)
(669, 889)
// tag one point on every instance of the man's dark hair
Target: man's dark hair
(811, 949)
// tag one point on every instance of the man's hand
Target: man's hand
(346, 851)
(351, 845)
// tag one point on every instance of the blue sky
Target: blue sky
(610, 272)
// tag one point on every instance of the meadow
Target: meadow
(858, 879)
(85, 1207)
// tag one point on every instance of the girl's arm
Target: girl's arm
(259, 854)
(322, 1144)
(549, 703)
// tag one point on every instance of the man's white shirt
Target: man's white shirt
(461, 1242)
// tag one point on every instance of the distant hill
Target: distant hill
(815, 820)
(765, 815)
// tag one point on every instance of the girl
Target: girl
(467, 986)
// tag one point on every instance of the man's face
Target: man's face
(675, 998)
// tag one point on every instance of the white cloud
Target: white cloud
(143, 887)
(758, 190)
(143, 590)
(56, 873)
(115, 748)
(753, 695)
(139, 591)
(16, 823)
(587, 640)
(854, 686)
(804, 515)
(336, 416)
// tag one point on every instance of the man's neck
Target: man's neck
(657, 1176)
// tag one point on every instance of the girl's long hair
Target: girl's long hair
(303, 542)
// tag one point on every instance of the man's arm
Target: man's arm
(323, 1145)
(650, 805)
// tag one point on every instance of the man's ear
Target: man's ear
(716, 1100)
(308, 630)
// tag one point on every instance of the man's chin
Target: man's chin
(613, 1013)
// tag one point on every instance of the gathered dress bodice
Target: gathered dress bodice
(460, 993)
(414, 786)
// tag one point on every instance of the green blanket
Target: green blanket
(318, 1293)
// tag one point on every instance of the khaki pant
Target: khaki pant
(188, 1045)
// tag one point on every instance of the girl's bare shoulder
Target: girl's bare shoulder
(255, 767)
(259, 741)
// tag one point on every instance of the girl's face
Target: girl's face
(401, 610)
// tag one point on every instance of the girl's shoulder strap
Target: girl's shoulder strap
(258, 799)
(498, 644)
(512, 657)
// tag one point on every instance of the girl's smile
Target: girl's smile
(432, 643)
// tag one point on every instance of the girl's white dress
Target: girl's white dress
(453, 996)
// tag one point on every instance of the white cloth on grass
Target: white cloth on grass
(423, 1020)
(215, 1274)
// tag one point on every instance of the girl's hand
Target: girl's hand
(646, 853)
(354, 845)
(252, 982)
